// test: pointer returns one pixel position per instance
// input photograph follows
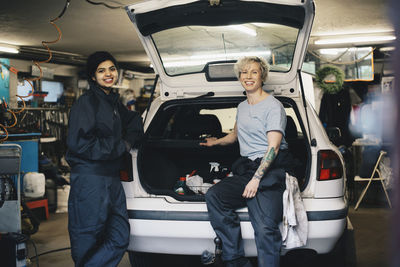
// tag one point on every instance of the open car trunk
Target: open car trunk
(171, 149)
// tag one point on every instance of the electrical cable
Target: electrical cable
(104, 4)
(63, 11)
(340, 63)
(36, 254)
(50, 251)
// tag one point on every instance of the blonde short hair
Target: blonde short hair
(242, 62)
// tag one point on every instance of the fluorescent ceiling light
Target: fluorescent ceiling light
(202, 59)
(244, 29)
(332, 51)
(261, 25)
(8, 49)
(359, 39)
(335, 51)
(352, 32)
(387, 49)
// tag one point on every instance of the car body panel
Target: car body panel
(182, 228)
(181, 237)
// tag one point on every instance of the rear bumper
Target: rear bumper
(324, 215)
(190, 233)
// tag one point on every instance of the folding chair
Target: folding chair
(373, 178)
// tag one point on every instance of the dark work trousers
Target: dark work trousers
(97, 220)
(265, 209)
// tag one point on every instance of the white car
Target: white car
(193, 46)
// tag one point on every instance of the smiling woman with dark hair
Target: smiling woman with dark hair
(100, 131)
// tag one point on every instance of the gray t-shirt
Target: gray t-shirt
(253, 122)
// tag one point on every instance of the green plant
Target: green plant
(330, 87)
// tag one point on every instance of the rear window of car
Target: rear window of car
(188, 49)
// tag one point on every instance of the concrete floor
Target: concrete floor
(53, 235)
(370, 222)
(372, 236)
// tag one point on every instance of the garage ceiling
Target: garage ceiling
(86, 27)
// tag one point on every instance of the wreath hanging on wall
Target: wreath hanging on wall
(332, 87)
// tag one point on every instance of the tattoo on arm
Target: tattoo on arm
(265, 163)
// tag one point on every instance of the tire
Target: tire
(299, 257)
(141, 259)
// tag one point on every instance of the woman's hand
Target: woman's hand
(210, 141)
(251, 188)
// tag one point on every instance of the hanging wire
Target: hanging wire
(335, 62)
(105, 4)
(36, 254)
(30, 80)
(63, 11)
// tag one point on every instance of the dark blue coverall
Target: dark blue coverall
(265, 209)
(98, 220)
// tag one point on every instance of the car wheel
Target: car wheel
(300, 258)
(141, 259)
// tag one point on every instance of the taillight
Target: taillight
(329, 165)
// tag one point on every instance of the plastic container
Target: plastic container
(34, 184)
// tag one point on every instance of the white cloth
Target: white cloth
(195, 183)
(294, 226)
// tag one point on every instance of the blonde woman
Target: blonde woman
(259, 175)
